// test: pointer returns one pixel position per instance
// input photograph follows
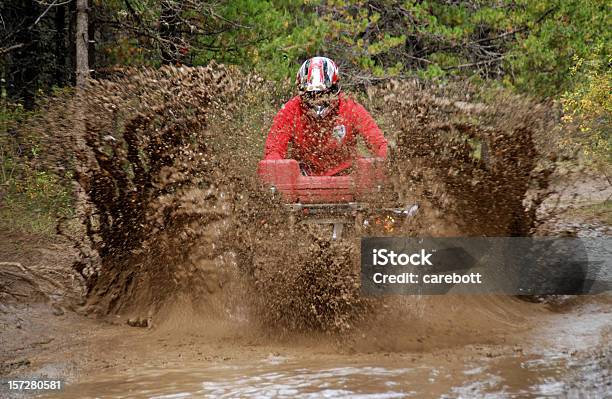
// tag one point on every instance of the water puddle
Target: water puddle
(515, 376)
(570, 355)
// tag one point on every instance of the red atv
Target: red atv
(338, 201)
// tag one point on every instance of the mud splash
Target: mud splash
(470, 157)
(172, 208)
(472, 167)
(138, 151)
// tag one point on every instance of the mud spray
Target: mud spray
(172, 212)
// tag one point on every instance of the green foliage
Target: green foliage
(601, 212)
(350, 37)
(31, 199)
(527, 45)
(540, 59)
(271, 38)
(550, 48)
(589, 104)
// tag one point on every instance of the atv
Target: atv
(347, 202)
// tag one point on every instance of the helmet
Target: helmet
(318, 83)
(318, 74)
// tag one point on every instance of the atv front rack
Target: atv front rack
(332, 200)
(285, 177)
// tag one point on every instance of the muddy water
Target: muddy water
(290, 379)
(567, 355)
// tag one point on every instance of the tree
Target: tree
(21, 38)
(589, 105)
(82, 42)
(35, 41)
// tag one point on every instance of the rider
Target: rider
(322, 124)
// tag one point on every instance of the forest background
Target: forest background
(556, 51)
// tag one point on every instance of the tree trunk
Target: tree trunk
(82, 41)
(82, 73)
(91, 30)
(71, 44)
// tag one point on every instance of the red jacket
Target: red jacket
(323, 148)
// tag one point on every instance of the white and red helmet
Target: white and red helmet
(318, 74)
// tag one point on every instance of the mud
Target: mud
(474, 168)
(510, 370)
(506, 348)
(34, 270)
(165, 163)
(201, 287)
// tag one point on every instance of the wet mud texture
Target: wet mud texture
(170, 205)
(136, 146)
(470, 160)
(473, 168)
